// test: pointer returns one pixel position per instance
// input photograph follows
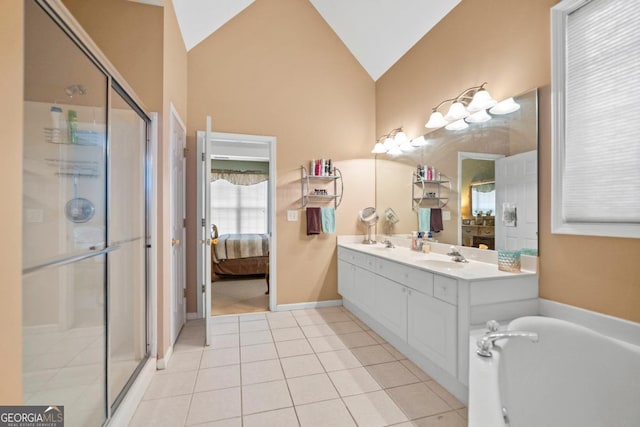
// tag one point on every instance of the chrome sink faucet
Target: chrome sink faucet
(456, 255)
(388, 244)
(485, 344)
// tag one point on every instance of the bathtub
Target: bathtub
(573, 376)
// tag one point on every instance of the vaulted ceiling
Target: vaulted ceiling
(377, 32)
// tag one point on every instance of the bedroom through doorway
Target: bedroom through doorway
(240, 203)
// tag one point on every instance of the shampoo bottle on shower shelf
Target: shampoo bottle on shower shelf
(73, 126)
(312, 167)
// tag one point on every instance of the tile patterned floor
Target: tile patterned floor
(316, 367)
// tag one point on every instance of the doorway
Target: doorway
(236, 199)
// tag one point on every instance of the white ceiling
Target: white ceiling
(377, 32)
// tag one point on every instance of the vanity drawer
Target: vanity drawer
(347, 255)
(414, 278)
(445, 289)
(357, 258)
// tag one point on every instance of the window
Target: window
(596, 103)
(237, 209)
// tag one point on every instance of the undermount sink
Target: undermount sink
(441, 264)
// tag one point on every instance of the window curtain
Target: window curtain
(239, 177)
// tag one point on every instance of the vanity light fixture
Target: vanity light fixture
(478, 117)
(394, 143)
(469, 101)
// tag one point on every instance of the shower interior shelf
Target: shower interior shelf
(60, 136)
(333, 192)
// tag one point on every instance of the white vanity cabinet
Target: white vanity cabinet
(425, 314)
(432, 329)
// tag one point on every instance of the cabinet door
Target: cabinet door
(346, 278)
(364, 290)
(391, 306)
(432, 329)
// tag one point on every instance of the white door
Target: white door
(391, 305)
(178, 215)
(517, 185)
(204, 228)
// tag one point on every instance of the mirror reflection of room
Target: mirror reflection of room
(501, 150)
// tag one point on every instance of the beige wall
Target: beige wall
(278, 69)
(174, 91)
(507, 44)
(130, 35)
(12, 71)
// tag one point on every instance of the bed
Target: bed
(240, 254)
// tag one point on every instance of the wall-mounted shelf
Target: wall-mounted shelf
(429, 193)
(60, 136)
(309, 196)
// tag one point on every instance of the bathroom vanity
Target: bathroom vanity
(425, 304)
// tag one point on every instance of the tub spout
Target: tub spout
(486, 342)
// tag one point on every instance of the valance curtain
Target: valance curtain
(239, 177)
(484, 188)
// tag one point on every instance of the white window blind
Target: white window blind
(601, 165)
(239, 209)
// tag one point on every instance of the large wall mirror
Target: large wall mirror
(485, 182)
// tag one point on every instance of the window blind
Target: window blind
(239, 209)
(601, 182)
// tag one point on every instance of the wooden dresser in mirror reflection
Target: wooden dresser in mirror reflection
(475, 235)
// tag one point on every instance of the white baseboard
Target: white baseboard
(312, 304)
(614, 327)
(164, 362)
(192, 316)
(123, 415)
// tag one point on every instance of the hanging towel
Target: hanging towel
(424, 219)
(436, 220)
(313, 221)
(328, 216)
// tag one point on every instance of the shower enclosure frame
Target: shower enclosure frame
(117, 84)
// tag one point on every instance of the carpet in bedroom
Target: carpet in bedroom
(239, 296)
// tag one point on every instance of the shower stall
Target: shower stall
(86, 234)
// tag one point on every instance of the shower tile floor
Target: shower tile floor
(316, 367)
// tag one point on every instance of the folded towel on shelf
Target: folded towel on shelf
(424, 219)
(436, 220)
(328, 218)
(313, 221)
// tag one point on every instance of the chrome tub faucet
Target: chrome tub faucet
(485, 344)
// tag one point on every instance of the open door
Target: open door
(178, 215)
(204, 229)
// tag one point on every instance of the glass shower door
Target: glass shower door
(64, 227)
(127, 230)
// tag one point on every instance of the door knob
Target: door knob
(175, 242)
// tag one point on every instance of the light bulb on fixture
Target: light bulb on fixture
(379, 148)
(505, 107)
(395, 151)
(419, 141)
(389, 143)
(481, 101)
(400, 138)
(478, 117)
(457, 125)
(457, 111)
(406, 146)
(436, 120)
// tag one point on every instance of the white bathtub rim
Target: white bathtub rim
(484, 393)
(610, 326)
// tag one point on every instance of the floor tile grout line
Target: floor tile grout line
(285, 379)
